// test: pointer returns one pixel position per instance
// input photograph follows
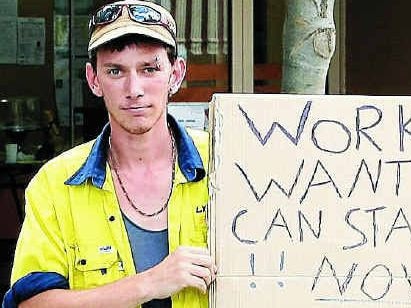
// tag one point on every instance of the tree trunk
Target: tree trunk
(308, 45)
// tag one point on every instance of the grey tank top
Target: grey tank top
(148, 248)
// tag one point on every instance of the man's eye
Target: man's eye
(113, 71)
(150, 69)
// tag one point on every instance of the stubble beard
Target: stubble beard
(137, 130)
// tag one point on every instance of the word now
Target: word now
(377, 275)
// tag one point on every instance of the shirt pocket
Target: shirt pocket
(95, 266)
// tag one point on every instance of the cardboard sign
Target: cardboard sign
(311, 201)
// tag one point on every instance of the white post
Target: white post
(196, 22)
(181, 17)
(212, 31)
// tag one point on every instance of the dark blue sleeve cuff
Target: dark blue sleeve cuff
(33, 284)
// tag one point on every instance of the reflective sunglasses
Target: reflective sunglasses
(137, 12)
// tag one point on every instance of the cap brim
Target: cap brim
(160, 33)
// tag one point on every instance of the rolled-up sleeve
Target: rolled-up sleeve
(33, 284)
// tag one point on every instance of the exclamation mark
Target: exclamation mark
(282, 261)
(252, 266)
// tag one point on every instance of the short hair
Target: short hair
(120, 43)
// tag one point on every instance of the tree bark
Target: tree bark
(308, 45)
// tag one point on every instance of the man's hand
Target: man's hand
(186, 267)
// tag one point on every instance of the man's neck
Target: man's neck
(131, 150)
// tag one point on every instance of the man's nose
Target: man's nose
(134, 86)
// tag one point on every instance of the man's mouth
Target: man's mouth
(135, 107)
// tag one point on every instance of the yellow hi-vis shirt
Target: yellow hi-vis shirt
(73, 235)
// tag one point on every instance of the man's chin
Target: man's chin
(140, 130)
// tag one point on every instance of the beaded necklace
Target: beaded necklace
(114, 163)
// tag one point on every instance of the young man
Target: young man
(120, 221)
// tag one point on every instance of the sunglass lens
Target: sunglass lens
(107, 14)
(143, 13)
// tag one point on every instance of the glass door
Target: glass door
(257, 46)
(268, 23)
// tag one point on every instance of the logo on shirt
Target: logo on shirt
(105, 249)
(201, 208)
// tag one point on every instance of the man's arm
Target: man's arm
(186, 267)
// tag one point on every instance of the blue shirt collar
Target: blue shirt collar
(94, 167)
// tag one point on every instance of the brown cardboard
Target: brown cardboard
(320, 218)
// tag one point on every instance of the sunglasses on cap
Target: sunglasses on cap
(137, 12)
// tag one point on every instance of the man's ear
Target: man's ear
(177, 75)
(92, 80)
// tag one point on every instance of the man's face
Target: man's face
(135, 83)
